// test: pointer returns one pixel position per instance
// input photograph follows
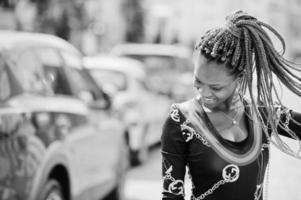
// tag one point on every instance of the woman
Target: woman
(223, 135)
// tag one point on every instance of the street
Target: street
(144, 182)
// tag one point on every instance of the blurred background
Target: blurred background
(138, 52)
(96, 26)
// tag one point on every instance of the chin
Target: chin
(210, 105)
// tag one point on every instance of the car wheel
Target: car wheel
(52, 190)
(139, 156)
(115, 194)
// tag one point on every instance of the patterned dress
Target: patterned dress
(212, 176)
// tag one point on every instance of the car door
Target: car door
(102, 137)
(21, 152)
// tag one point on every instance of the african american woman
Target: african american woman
(223, 135)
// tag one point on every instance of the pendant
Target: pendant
(234, 122)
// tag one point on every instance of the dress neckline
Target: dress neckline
(240, 154)
(236, 146)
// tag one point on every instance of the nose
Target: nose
(205, 91)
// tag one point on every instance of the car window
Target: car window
(53, 70)
(57, 80)
(29, 72)
(4, 82)
(112, 81)
(81, 86)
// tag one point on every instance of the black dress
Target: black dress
(212, 176)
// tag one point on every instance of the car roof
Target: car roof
(152, 49)
(21, 40)
(128, 66)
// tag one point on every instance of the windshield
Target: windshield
(5, 91)
(29, 72)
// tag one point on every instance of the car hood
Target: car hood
(36, 103)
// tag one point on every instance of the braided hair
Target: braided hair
(245, 47)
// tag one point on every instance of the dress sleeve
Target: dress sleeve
(173, 149)
(289, 120)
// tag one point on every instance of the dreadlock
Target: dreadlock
(245, 47)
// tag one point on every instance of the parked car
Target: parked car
(59, 137)
(169, 66)
(144, 109)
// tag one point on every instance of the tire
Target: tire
(115, 194)
(138, 157)
(52, 190)
(141, 155)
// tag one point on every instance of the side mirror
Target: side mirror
(104, 102)
(100, 104)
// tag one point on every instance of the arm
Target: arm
(289, 120)
(173, 160)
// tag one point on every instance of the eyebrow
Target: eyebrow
(214, 85)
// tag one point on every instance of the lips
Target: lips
(208, 100)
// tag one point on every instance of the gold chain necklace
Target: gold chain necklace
(234, 120)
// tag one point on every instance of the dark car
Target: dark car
(59, 137)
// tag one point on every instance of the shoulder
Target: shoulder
(172, 138)
(176, 124)
(176, 113)
(174, 120)
(174, 117)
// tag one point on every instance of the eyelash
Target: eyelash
(216, 89)
(198, 85)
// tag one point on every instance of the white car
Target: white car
(58, 136)
(143, 109)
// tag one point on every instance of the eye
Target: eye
(217, 88)
(197, 84)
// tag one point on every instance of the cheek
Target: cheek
(225, 94)
(221, 95)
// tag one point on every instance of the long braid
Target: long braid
(245, 47)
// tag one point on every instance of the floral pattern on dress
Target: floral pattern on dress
(172, 185)
(188, 132)
(174, 113)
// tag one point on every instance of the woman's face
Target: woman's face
(214, 83)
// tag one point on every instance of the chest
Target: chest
(205, 164)
(230, 129)
(207, 168)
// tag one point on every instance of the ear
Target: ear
(240, 78)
